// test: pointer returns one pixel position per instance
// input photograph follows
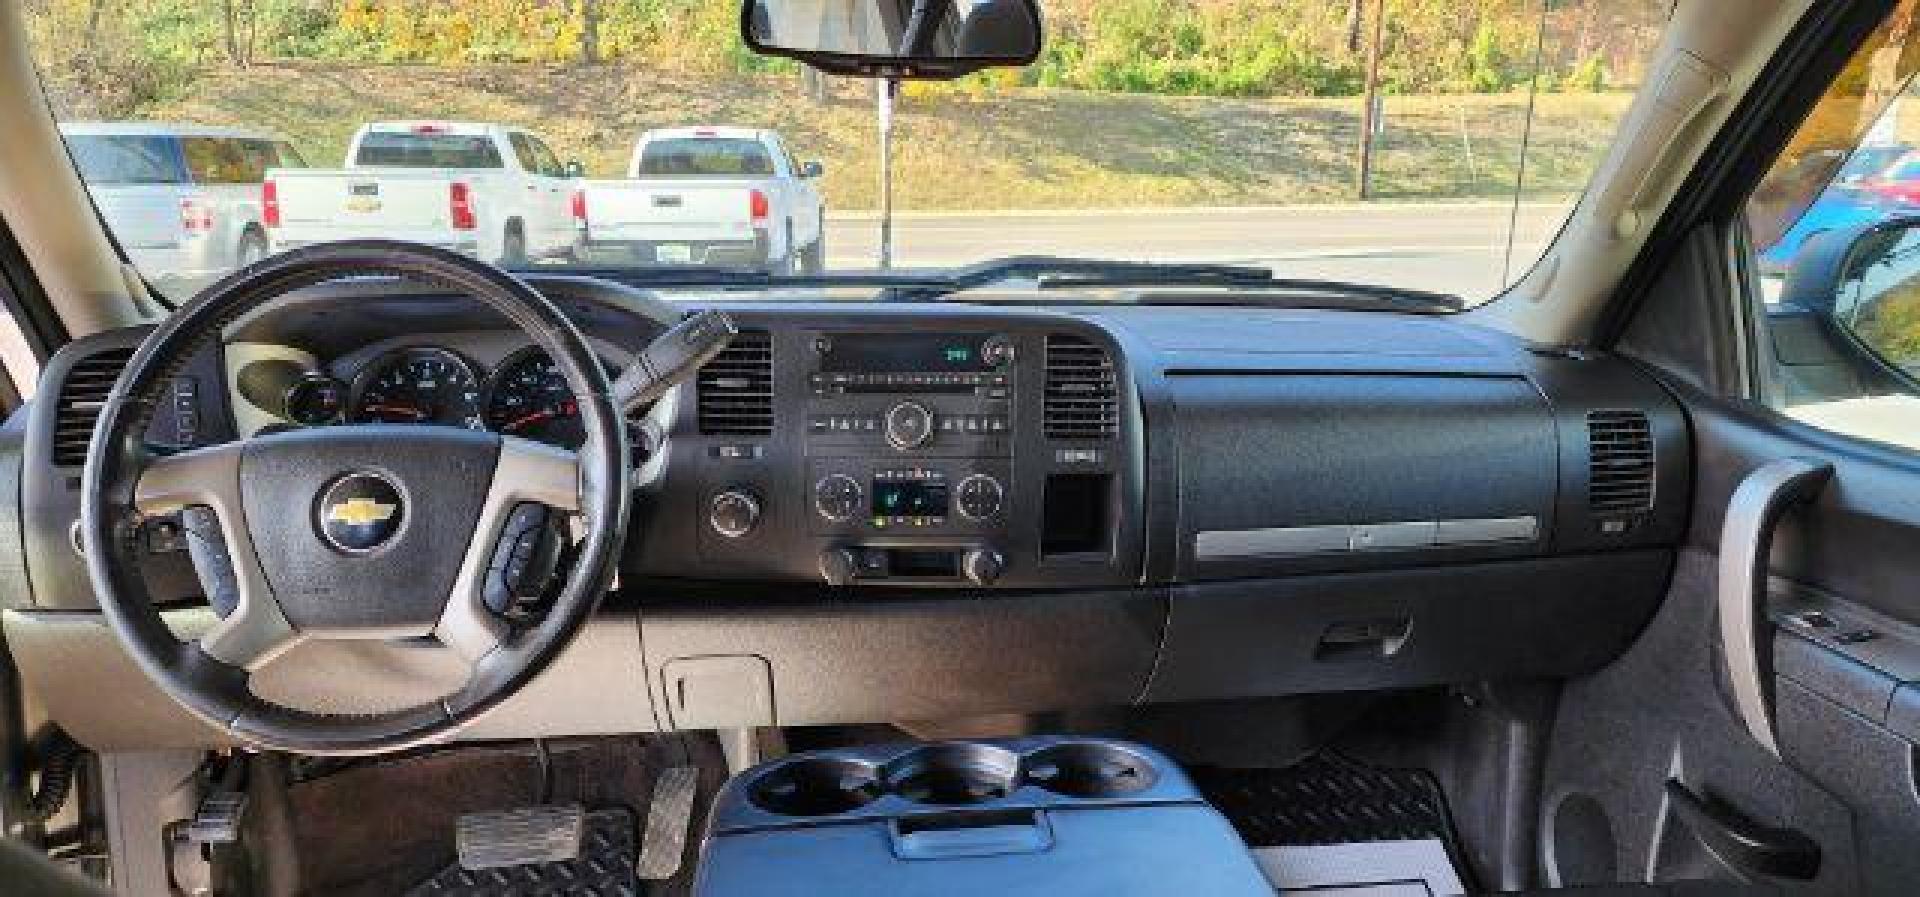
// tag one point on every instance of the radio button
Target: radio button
(909, 425)
(837, 497)
(980, 497)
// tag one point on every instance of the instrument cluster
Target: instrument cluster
(524, 395)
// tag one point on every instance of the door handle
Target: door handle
(1747, 846)
(1746, 540)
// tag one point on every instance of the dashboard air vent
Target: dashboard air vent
(1620, 469)
(1081, 396)
(736, 388)
(82, 394)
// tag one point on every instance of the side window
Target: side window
(1835, 227)
(523, 151)
(257, 156)
(285, 156)
(217, 160)
(548, 162)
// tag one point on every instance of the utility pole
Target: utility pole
(888, 88)
(1363, 175)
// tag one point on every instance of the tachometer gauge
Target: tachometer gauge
(418, 386)
(527, 396)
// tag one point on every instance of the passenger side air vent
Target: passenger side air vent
(736, 388)
(82, 394)
(1081, 395)
(1620, 469)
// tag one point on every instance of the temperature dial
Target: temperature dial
(980, 497)
(837, 497)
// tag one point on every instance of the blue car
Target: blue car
(1841, 205)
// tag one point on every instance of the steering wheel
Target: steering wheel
(375, 531)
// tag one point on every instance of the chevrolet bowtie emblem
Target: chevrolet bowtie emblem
(360, 512)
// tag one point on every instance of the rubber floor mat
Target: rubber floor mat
(1328, 799)
(608, 848)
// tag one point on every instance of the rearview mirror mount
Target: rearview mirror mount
(895, 39)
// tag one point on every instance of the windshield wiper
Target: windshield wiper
(1212, 284)
(1223, 284)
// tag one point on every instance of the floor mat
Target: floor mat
(605, 868)
(377, 828)
(1334, 825)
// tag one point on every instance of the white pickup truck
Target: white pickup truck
(493, 191)
(708, 195)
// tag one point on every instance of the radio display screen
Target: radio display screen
(904, 353)
(909, 498)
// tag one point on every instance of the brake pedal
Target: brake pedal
(519, 837)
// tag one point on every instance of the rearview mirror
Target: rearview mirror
(574, 169)
(935, 39)
(812, 169)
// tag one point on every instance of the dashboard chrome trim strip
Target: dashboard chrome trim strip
(1284, 541)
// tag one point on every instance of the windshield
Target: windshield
(1432, 146)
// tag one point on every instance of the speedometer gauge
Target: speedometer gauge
(418, 386)
(529, 397)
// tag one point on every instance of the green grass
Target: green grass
(1021, 148)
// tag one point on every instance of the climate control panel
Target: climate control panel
(872, 496)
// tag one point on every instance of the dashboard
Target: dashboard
(877, 511)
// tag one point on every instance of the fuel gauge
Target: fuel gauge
(315, 400)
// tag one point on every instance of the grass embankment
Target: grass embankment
(1023, 148)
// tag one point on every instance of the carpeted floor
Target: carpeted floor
(375, 828)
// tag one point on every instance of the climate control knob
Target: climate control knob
(980, 497)
(909, 425)
(837, 566)
(734, 513)
(837, 497)
(982, 566)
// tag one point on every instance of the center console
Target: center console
(950, 448)
(1025, 816)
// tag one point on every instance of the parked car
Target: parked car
(709, 195)
(493, 191)
(183, 200)
(1842, 205)
(1899, 181)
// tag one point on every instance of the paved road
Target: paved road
(1448, 247)
(1452, 247)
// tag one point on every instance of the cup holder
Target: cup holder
(816, 786)
(1090, 769)
(955, 774)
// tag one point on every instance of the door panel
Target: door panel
(1842, 564)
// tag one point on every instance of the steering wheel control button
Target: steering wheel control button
(909, 425)
(524, 560)
(980, 497)
(207, 547)
(734, 513)
(837, 497)
(360, 512)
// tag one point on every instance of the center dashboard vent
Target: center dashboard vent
(1081, 391)
(735, 389)
(1620, 465)
(82, 394)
